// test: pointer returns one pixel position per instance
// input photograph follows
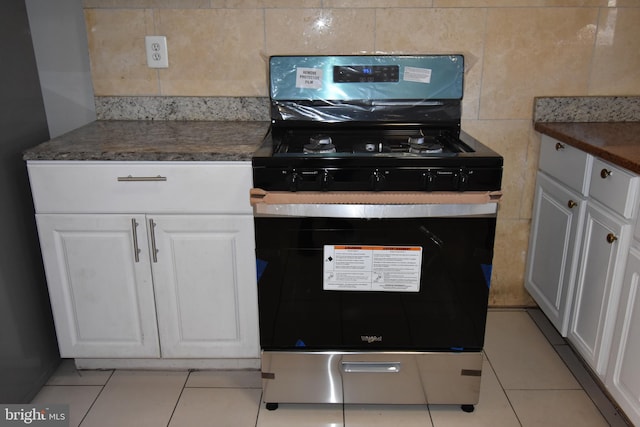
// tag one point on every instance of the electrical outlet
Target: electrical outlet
(157, 55)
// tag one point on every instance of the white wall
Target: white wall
(62, 54)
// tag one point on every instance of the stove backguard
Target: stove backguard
(371, 88)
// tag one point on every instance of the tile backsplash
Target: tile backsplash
(514, 50)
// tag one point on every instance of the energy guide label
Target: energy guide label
(372, 268)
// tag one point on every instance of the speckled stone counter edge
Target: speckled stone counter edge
(182, 108)
(587, 109)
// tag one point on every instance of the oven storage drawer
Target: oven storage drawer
(125, 187)
(371, 378)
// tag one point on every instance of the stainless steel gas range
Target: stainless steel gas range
(375, 220)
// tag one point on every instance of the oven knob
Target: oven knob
(377, 180)
(429, 180)
(325, 180)
(461, 179)
(293, 181)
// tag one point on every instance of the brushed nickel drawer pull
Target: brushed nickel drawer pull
(559, 146)
(611, 238)
(154, 249)
(136, 249)
(571, 204)
(604, 173)
(130, 178)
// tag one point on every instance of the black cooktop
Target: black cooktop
(394, 142)
(378, 160)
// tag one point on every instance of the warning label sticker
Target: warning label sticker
(309, 78)
(372, 268)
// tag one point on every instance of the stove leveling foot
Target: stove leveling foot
(467, 408)
(272, 406)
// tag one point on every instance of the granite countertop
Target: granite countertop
(616, 142)
(133, 140)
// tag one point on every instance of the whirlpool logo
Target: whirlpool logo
(371, 338)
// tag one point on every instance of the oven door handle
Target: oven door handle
(372, 367)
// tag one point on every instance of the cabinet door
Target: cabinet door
(205, 281)
(604, 248)
(101, 293)
(553, 249)
(623, 376)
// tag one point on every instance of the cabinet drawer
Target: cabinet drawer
(613, 187)
(150, 187)
(565, 163)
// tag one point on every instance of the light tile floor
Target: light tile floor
(530, 378)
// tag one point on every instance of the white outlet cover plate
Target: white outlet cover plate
(156, 48)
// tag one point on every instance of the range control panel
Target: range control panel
(366, 77)
(378, 179)
(366, 73)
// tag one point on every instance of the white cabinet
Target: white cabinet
(556, 228)
(605, 245)
(149, 260)
(554, 248)
(204, 284)
(606, 240)
(623, 375)
(102, 299)
(583, 266)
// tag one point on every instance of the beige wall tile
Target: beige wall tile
(377, 3)
(528, 191)
(319, 31)
(213, 52)
(268, 4)
(137, 4)
(534, 52)
(509, 257)
(117, 51)
(519, 3)
(437, 31)
(617, 57)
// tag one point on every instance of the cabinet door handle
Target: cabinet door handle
(130, 178)
(154, 249)
(559, 146)
(571, 204)
(136, 249)
(611, 238)
(604, 173)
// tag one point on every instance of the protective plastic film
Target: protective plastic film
(366, 88)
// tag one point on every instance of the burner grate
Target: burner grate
(362, 142)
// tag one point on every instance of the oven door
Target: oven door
(432, 299)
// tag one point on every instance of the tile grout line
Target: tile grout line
(502, 387)
(584, 378)
(259, 408)
(184, 385)
(102, 387)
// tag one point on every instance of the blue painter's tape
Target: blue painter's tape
(486, 270)
(261, 265)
